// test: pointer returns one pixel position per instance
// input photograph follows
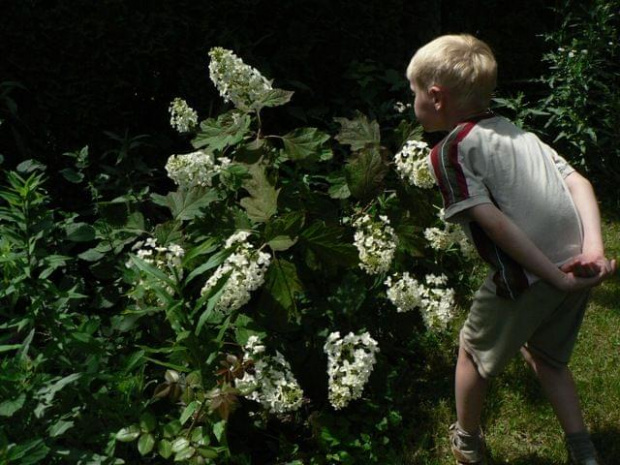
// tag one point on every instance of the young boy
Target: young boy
(532, 217)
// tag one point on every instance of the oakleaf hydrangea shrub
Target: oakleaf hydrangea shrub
(434, 300)
(195, 169)
(274, 245)
(350, 360)
(412, 166)
(448, 237)
(244, 271)
(271, 381)
(183, 118)
(376, 243)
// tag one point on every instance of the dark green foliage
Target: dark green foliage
(583, 103)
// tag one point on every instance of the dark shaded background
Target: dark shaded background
(114, 65)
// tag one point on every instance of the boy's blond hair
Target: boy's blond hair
(461, 63)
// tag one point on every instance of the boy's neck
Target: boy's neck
(466, 114)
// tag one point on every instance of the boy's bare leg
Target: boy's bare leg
(559, 386)
(470, 390)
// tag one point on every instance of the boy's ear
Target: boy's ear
(437, 95)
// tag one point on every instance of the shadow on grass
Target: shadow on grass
(608, 295)
(607, 442)
(530, 459)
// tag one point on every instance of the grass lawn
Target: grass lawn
(520, 426)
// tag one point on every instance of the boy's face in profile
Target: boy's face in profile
(426, 108)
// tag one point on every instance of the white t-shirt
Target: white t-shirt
(490, 160)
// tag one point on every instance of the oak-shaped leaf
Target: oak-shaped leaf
(262, 203)
(187, 204)
(358, 132)
(228, 129)
(306, 143)
(364, 172)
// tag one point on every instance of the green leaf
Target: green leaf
(91, 255)
(407, 130)
(148, 422)
(165, 448)
(179, 445)
(199, 436)
(189, 411)
(288, 224)
(184, 454)
(410, 237)
(23, 351)
(131, 433)
(244, 328)
(206, 247)
(229, 129)
(80, 232)
(172, 429)
(51, 389)
(28, 166)
(208, 452)
(281, 243)
(8, 348)
(60, 427)
(282, 284)
(326, 242)
(303, 143)
(339, 189)
(358, 133)
(212, 298)
(273, 98)
(146, 443)
(151, 270)
(262, 203)
(365, 171)
(10, 406)
(187, 204)
(28, 453)
(72, 176)
(219, 429)
(214, 260)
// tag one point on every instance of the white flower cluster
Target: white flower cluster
(195, 169)
(166, 259)
(350, 361)
(451, 234)
(412, 166)
(182, 117)
(376, 243)
(435, 301)
(401, 107)
(163, 258)
(573, 53)
(272, 383)
(245, 268)
(237, 82)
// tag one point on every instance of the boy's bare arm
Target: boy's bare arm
(592, 258)
(510, 238)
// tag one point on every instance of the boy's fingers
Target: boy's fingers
(569, 265)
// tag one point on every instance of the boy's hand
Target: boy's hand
(589, 266)
(583, 272)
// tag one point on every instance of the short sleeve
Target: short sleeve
(561, 164)
(459, 169)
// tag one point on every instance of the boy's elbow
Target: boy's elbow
(576, 181)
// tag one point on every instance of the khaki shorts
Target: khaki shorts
(543, 319)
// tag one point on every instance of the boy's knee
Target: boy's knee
(538, 363)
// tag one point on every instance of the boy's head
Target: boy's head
(460, 65)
